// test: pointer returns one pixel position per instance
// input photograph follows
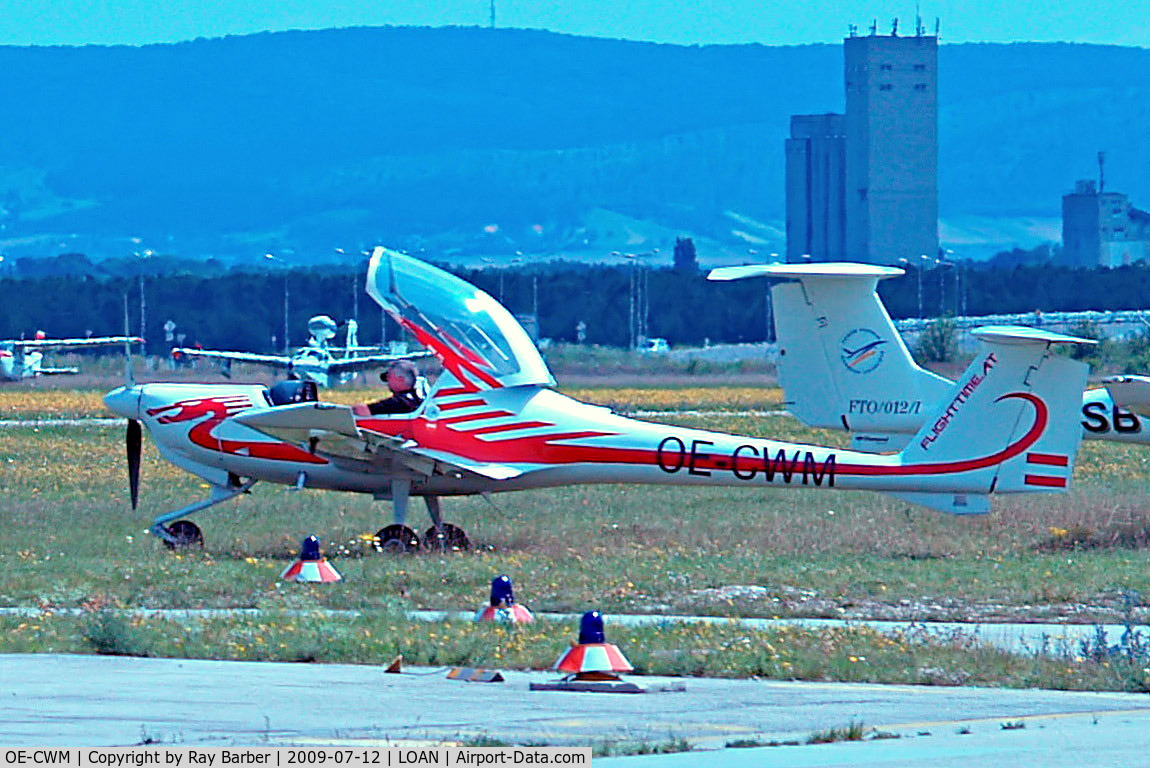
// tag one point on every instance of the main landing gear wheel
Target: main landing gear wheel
(446, 538)
(396, 538)
(184, 535)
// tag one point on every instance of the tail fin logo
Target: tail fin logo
(862, 350)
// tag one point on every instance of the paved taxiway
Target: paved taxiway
(58, 700)
(81, 422)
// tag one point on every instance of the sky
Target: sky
(139, 22)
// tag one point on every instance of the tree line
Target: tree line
(243, 309)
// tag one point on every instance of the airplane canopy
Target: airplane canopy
(477, 339)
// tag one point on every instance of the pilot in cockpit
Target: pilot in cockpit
(401, 378)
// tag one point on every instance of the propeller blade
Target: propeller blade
(133, 444)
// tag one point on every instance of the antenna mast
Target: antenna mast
(129, 379)
(1101, 172)
(287, 342)
(143, 321)
(493, 14)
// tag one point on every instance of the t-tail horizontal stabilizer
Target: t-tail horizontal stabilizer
(1009, 424)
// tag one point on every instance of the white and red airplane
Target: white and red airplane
(316, 361)
(24, 358)
(843, 365)
(493, 422)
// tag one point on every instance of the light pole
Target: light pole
(287, 340)
(639, 304)
(964, 281)
(956, 274)
(354, 288)
(939, 264)
(770, 309)
(141, 256)
(632, 281)
(921, 267)
(905, 264)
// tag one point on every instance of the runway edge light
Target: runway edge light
(592, 665)
(311, 566)
(502, 606)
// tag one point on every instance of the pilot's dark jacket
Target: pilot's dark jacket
(400, 402)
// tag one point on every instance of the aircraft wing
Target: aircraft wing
(798, 271)
(94, 341)
(1130, 392)
(273, 361)
(326, 428)
(350, 364)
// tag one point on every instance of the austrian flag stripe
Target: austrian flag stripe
(1046, 460)
(1045, 481)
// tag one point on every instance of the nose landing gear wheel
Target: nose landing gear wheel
(185, 535)
(396, 538)
(446, 538)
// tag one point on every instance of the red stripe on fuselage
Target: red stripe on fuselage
(450, 421)
(510, 427)
(1048, 459)
(1045, 481)
(459, 404)
(544, 449)
(453, 391)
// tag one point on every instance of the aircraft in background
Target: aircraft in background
(24, 358)
(493, 422)
(843, 365)
(1132, 393)
(317, 361)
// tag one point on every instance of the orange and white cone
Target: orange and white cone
(311, 566)
(593, 657)
(502, 606)
(508, 614)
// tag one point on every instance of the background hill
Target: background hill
(468, 141)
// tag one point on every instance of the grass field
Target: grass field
(26, 402)
(69, 539)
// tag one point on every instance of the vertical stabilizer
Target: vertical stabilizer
(832, 326)
(842, 364)
(1006, 422)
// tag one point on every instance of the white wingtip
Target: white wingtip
(839, 269)
(1019, 334)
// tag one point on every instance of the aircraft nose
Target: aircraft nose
(125, 401)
